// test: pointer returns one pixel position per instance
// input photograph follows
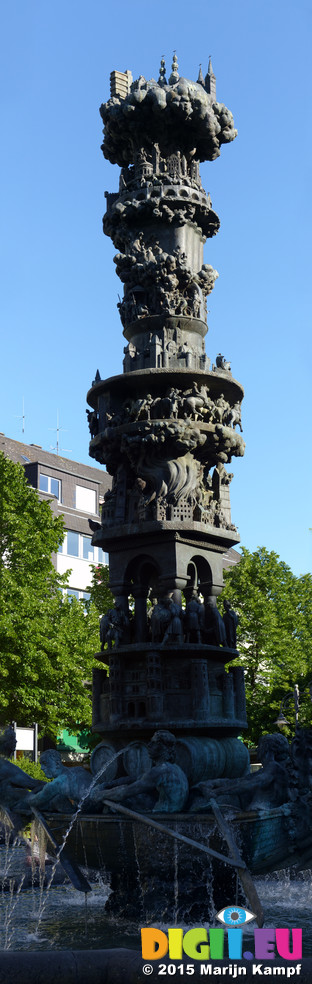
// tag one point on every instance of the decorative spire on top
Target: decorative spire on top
(174, 77)
(162, 73)
(210, 80)
(201, 79)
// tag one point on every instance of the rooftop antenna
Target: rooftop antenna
(58, 429)
(22, 418)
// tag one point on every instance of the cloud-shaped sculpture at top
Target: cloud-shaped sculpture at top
(180, 116)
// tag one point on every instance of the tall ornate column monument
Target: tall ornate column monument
(172, 706)
(167, 428)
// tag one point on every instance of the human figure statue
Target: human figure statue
(122, 179)
(174, 630)
(114, 627)
(119, 625)
(8, 741)
(105, 624)
(194, 401)
(174, 400)
(234, 416)
(219, 516)
(272, 781)
(262, 790)
(67, 789)
(214, 624)
(93, 422)
(221, 408)
(194, 618)
(159, 620)
(221, 363)
(231, 620)
(161, 789)
(15, 786)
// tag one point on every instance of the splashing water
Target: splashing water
(74, 818)
(141, 890)
(287, 902)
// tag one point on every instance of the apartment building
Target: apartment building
(76, 492)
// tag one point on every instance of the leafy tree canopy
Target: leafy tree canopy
(274, 636)
(47, 641)
(100, 593)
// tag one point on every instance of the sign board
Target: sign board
(24, 739)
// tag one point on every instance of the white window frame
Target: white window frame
(51, 478)
(96, 550)
(74, 592)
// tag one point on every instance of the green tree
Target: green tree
(274, 636)
(47, 641)
(100, 593)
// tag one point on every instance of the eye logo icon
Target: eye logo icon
(233, 915)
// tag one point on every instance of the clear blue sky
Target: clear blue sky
(59, 291)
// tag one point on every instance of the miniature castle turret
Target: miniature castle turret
(210, 81)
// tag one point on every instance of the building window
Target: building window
(79, 545)
(55, 488)
(51, 485)
(87, 549)
(72, 593)
(44, 483)
(72, 543)
(78, 594)
(102, 557)
(85, 500)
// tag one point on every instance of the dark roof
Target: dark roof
(24, 453)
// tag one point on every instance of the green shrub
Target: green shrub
(32, 768)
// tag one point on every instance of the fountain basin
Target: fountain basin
(155, 877)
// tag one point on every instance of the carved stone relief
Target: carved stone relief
(166, 348)
(160, 283)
